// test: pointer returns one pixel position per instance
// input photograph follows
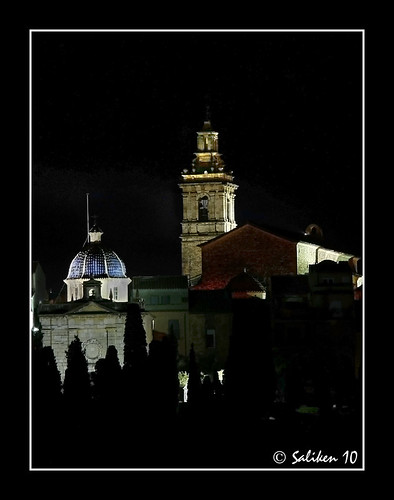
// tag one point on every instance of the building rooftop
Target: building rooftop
(160, 282)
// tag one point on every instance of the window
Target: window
(115, 293)
(173, 327)
(210, 337)
(203, 209)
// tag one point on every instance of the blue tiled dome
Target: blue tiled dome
(96, 261)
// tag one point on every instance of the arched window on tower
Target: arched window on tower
(203, 209)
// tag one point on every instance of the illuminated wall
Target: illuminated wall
(93, 322)
(309, 254)
(115, 289)
(165, 298)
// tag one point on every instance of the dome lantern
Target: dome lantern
(95, 233)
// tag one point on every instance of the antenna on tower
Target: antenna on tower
(207, 113)
(87, 215)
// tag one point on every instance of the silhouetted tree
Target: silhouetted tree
(99, 380)
(249, 371)
(77, 406)
(76, 386)
(135, 352)
(108, 377)
(46, 380)
(113, 366)
(163, 378)
(134, 364)
(46, 405)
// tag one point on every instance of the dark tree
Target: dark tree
(113, 366)
(134, 365)
(76, 386)
(46, 380)
(99, 381)
(249, 372)
(135, 352)
(108, 378)
(163, 377)
(46, 410)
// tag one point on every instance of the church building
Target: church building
(96, 307)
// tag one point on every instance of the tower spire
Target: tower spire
(207, 122)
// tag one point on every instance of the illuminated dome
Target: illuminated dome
(95, 260)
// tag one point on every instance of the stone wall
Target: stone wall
(96, 332)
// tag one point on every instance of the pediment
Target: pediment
(92, 307)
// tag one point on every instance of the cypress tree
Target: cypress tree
(108, 377)
(135, 364)
(76, 386)
(135, 353)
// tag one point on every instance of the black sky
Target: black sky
(115, 114)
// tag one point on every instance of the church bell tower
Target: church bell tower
(208, 194)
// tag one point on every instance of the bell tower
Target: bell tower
(208, 194)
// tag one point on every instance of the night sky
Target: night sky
(115, 115)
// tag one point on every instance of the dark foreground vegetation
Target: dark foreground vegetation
(133, 417)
